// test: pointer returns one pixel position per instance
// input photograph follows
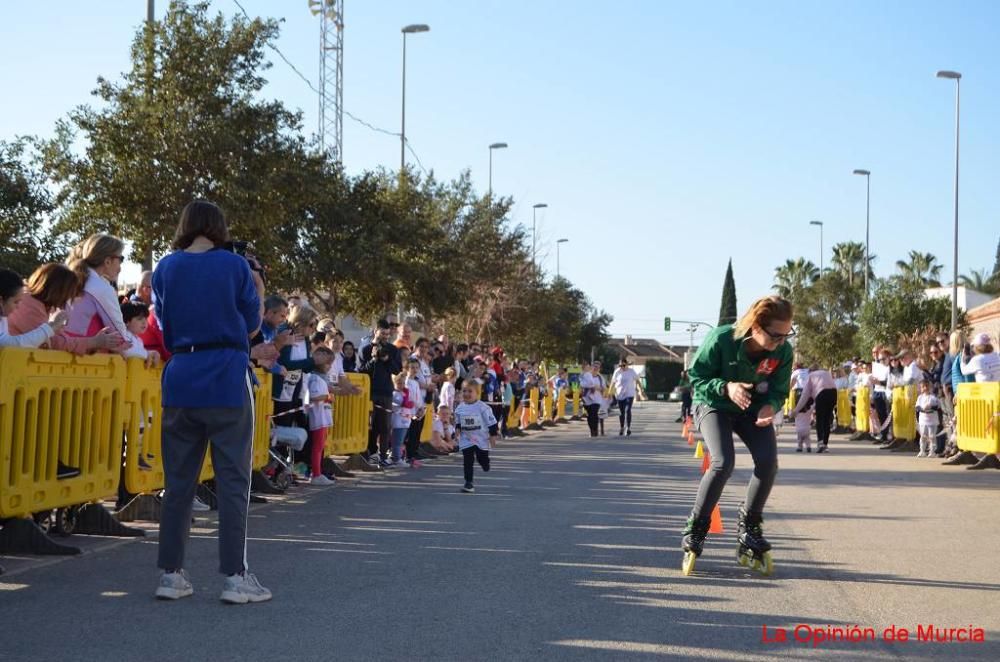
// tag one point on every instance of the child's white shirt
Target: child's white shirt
(448, 395)
(803, 423)
(320, 413)
(927, 401)
(474, 421)
(416, 395)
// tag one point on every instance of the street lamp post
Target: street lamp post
(957, 77)
(868, 198)
(534, 224)
(409, 29)
(493, 147)
(820, 224)
(558, 242)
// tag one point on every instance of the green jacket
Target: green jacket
(722, 358)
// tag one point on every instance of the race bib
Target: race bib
(472, 423)
(289, 385)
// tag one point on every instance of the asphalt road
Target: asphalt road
(569, 550)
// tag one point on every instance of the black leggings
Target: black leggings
(826, 402)
(881, 404)
(685, 404)
(469, 457)
(592, 418)
(413, 437)
(625, 411)
(718, 427)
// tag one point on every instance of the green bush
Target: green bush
(662, 376)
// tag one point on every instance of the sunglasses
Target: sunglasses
(778, 336)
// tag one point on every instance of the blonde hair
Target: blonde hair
(92, 252)
(301, 317)
(326, 325)
(399, 378)
(763, 311)
(956, 342)
(450, 372)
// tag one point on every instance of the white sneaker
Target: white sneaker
(921, 454)
(174, 586)
(241, 589)
(321, 480)
(199, 506)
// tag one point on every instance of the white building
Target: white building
(967, 299)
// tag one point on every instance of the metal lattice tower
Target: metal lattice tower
(331, 75)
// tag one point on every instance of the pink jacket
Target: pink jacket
(31, 314)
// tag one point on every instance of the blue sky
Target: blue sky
(666, 137)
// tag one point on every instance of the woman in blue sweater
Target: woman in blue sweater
(208, 302)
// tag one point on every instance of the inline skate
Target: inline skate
(754, 550)
(693, 542)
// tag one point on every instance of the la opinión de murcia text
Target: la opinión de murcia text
(817, 636)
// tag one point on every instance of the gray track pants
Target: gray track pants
(717, 428)
(186, 433)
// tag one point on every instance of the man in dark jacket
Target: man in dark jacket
(380, 360)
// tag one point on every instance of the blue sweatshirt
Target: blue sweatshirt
(206, 299)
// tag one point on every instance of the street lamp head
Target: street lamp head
(866, 173)
(954, 75)
(540, 205)
(498, 146)
(417, 27)
(561, 241)
(820, 223)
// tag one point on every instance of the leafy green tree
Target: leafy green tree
(849, 262)
(25, 205)
(898, 308)
(981, 281)
(728, 312)
(187, 122)
(793, 277)
(826, 318)
(921, 268)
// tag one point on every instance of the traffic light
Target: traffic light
(666, 324)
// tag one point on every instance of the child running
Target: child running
(803, 425)
(477, 431)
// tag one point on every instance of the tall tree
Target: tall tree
(826, 317)
(899, 308)
(849, 262)
(793, 277)
(996, 264)
(979, 280)
(189, 123)
(921, 268)
(25, 205)
(728, 312)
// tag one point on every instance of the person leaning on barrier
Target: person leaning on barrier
(11, 294)
(209, 302)
(50, 289)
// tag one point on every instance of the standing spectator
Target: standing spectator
(961, 352)
(11, 293)
(381, 360)
(320, 414)
(799, 376)
(880, 382)
(404, 338)
(209, 302)
(50, 289)
(928, 413)
(350, 358)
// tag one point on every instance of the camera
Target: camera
(382, 352)
(245, 250)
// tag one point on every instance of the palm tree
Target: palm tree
(794, 276)
(981, 281)
(922, 268)
(849, 262)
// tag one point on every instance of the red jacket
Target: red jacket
(153, 337)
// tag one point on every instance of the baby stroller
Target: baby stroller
(288, 434)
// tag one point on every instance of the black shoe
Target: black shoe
(628, 432)
(63, 472)
(821, 449)
(143, 465)
(989, 461)
(798, 450)
(680, 419)
(621, 433)
(962, 457)
(468, 489)
(810, 450)
(337, 472)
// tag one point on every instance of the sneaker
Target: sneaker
(416, 464)
(921, 454)
(628, 432)
(809, 449)
(64, 471)
(468, 489)
(373, 459)
(385, 463)
(241, 589)
(321, 480)
(143, 465)
(798, 450)
(174, 586)
(199, 506)
(621, 433)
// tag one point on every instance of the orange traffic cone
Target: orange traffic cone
(690, 438)
(716, 525)
(706, 461)
(699, 450)
(684, 429)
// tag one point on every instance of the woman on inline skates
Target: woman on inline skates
(740, 378)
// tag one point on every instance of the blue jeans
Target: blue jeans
(398, 437)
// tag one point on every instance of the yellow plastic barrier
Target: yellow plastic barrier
(844, 408)
(576, 403)
(904, 414)
(976, 407)
(351, 418)
(790, 403)
(533, 407)
(862, 410)
(514, 418)
(427, 431)
(550, 410)
(561, 406)
(55, 406)
(263, 409)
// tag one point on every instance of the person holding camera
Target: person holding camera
(380, 359)
(208, 301)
